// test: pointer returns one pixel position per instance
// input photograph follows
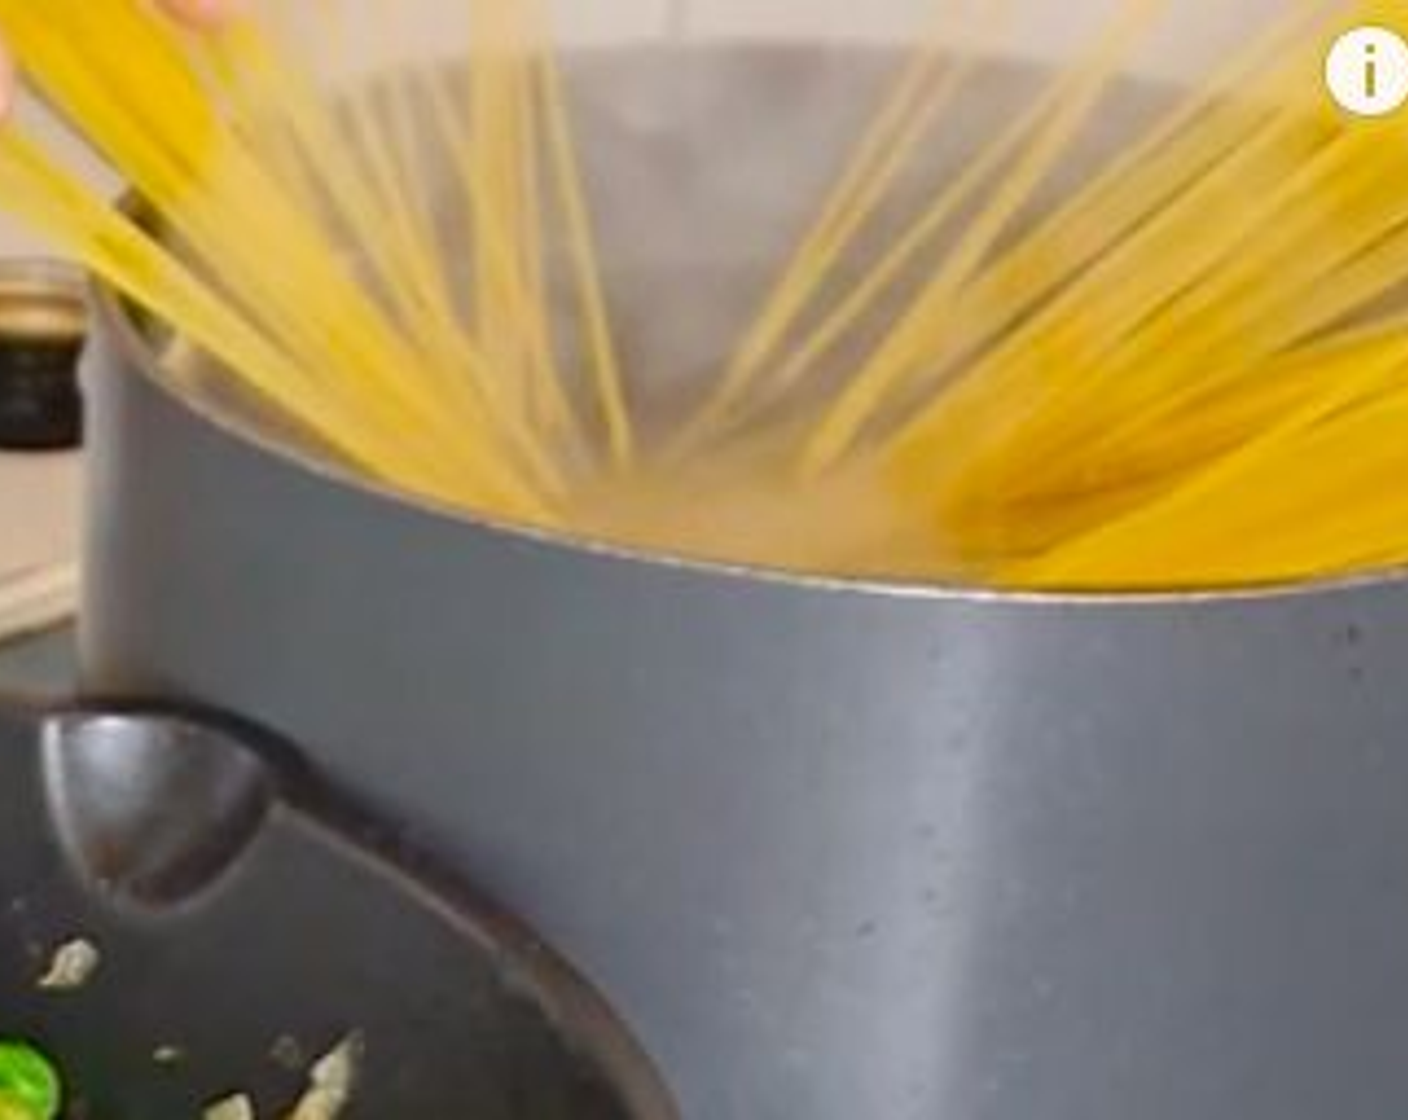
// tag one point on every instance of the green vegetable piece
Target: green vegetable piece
(12, 1109)
(29, 1084)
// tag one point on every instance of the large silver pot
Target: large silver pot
(836, 851)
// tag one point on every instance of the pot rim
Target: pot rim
(112, 312)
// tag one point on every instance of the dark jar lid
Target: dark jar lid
(43, 327)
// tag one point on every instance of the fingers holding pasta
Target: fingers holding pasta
(200, 13)
(193, 13)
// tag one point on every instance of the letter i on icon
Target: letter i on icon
(1367, 71)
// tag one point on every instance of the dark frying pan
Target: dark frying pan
(246, 921)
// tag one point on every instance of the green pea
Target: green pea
(29, 1084)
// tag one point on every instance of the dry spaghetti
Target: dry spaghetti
(1187, 371)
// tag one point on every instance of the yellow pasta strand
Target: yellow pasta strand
(1192, 371)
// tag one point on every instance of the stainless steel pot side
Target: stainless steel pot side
(835, 852)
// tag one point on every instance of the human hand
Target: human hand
(192, 13)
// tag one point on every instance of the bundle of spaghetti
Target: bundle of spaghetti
(1158, 369)
(1188, 371)
(258, 180)
(1167, 354)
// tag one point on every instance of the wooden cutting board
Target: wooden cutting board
(39, 535)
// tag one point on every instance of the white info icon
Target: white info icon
(1367, 72)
